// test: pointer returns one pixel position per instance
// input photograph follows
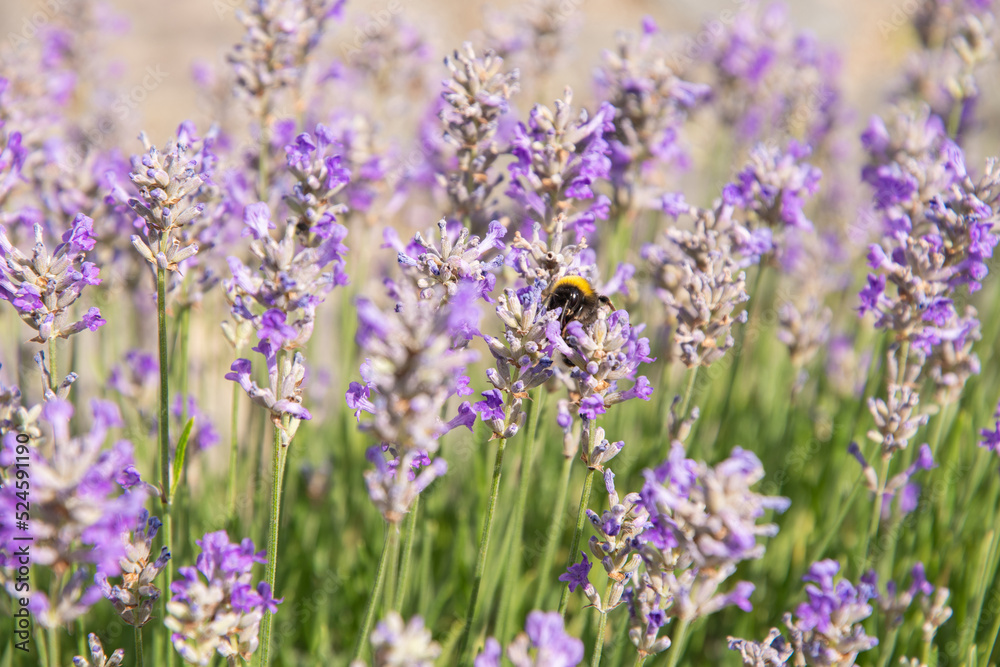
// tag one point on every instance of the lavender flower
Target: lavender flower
(956, 39)
(544, 642)
(476, 96)
(222, 612)
(559, 160)
(651, 102)
(399, 644)
(607, 352)
(412, 368)
(895, 602)
(826, 630)
(534, 36)
(646, 616)
(936, 612)
(280, 302)
(455, 261)
(771, 652)
(897, 418)
(15, 417)
(279, 37)
(703, 521)
(314, 161)
(523, 358)
(42, 288)
(167, 182)
(767, 77)
(772, 189)
(578, 576)
(134, 599)
(12, 156)
(97, 656)
(991, 438)
(291, 281)
(938, 237)
(697, 276)
(618, 542)
(76, 511)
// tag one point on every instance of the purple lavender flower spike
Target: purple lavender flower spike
(213, 608)
(42, 288)
(558, 160)
(710, 536)
(134, 598)
(544, 642)
(77, 509)
(416, 356)
(827, 629)
(476, 97)
(652, 101)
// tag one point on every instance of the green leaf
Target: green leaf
(179, 458)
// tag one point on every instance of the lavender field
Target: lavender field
(544, 336)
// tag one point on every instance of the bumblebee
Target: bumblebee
(578, 300)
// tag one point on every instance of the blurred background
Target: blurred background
(174, 37)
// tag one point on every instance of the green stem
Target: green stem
(164, 431)
(280, 458)
(890, 645)
(53, 637)
(986, 559)
(828, 534)
(640, 658)
(366, 627)
(517, 533)
(739, 351)
(404, 564)
(581, 519)
(555, 530)
(138, 645)
(184, 327)
(390, 577)
(601, 624)
(484, 544)
(53, 364)
(692, 376)
(677, 647)
(81, 633)
(993, 642)
(883, 478)
(233, 456)
(688, 391)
